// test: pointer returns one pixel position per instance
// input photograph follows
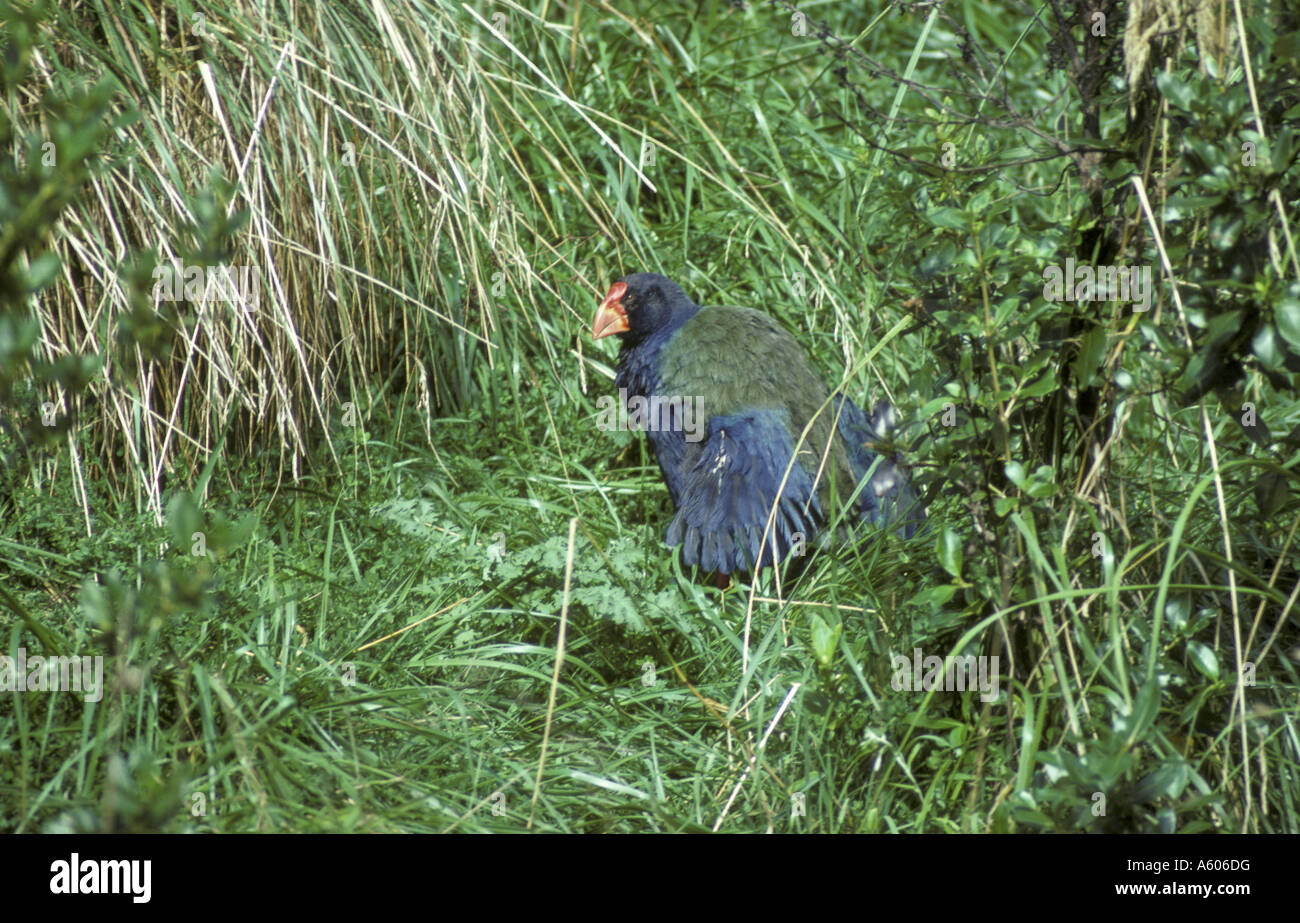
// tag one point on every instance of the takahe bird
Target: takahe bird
(729, 392)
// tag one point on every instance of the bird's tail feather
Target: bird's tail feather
(893, 500)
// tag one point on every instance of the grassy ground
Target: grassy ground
(356, 556)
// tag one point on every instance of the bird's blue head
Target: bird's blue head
(640, 304)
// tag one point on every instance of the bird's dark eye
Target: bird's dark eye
(629, 301)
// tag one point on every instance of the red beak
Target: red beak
(611, 317)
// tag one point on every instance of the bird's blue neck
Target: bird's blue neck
(638, 363)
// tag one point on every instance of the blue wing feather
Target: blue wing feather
(723, 487)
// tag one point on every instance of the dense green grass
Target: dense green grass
(433, 595)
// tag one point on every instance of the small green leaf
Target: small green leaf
(1284, 144)
(937, 259)
(1224, 326)
(934, 596)
(1166, 782)
(947, 217)
(1045, 384)
(42, 270)
(1042, 483)
(1146, 705)
(1271, 492)
(183, 520)
(1225, 229)
(1092, 350)
(1266, 348)
(1183, 208)
(825, 639)
(1287, 315)
(1174, 89)
(1204, 659)
(949, 552)
(1257, 431)
(1177, 611)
